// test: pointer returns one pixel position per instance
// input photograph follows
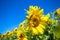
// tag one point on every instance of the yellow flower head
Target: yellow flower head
(58, 11)
(36, 18)
(21, 25)
(2, 36)
(34, 15)
(21, 36)
(16, 30)
(9, 33)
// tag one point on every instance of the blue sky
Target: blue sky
(12, 11)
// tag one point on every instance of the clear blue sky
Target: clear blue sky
(12, 11)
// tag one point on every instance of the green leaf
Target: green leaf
(56, 31)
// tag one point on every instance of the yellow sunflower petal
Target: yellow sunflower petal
(34, 31)
(25, 39)
(41, 30)
(45, 18)
(42, 26)
(58, 11)
(41, 11)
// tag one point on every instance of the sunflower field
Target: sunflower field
(36, 26)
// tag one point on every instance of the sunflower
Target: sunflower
(58, 11)
(21, 36)
(21, 25)
(36, 19)
(16, 30)
(3, 35)
(9, 33)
